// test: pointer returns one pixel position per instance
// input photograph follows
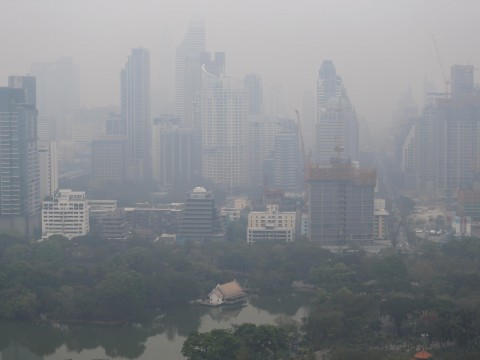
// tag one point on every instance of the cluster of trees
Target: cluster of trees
(360, 299)
(246, 341)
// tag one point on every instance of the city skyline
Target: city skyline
(322, 31)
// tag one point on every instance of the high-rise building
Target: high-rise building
(65, 214)
(440, 153)
(57, 96)
(221, 119)
(19, 167)
(462, 81)
(261, 145)
(109, 160)
(341, 200)
(48, 159)
(253, 84)
(200, 220)
(188, 70)
(286, 157)
(172, 152)
(336, 129)
(135, 110)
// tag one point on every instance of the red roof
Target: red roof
(423, 355)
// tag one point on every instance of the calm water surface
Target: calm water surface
(162, 339)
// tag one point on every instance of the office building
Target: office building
(172, 152)
(200, 220)
(341, 200)
(19, 166)
(188, 70)
(114, 226)
(58, 95)
(65, 214)
(261, 145)
(286, 166)
(222, 123)
(253, 84)
(135, 111)
(440, 153)
(271, 225)
(109, 160)
(336, 128)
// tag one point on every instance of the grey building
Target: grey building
(200, 220)
(109, 160)
(341, 200)
(172, 152)
(286, 158)
(135, 111)
(253, 84)
(19, 165)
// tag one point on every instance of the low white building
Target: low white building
(66, 213)
(271, 225)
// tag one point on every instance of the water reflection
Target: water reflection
(164, 336)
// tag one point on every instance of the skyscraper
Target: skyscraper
(286, 159)
(341, 200)
(222, 122)
(57, 96)
(188, 70)
(253, 84)
(135, 111)
(172, 152)
(336, 128)
(19, 167)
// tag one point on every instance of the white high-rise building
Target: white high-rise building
(336, 128)
(66, 214)
(135, 110)
(188, 70)
(271, 225)
(222, 111)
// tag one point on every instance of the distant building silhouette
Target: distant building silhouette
(188, 70)
(135, 111)
(109, 157)
(337, 125)
(253, 84)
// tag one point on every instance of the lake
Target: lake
(161, 339)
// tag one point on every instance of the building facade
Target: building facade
(135, 111)
(336, 128)
(65, 214)
(172, 152)
(200, 220)
(341, 200)
(19, 167)
(253, 84)
(222, 123)
(188, 70)
(271, 225)
(109, 160)
(48, 160)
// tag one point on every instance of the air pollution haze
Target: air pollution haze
(380, 48)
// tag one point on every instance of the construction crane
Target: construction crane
(445, 80)
(306, 162)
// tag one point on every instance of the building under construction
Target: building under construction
(341, 203)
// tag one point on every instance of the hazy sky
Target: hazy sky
(380, 47)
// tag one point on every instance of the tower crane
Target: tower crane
(445, 80)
